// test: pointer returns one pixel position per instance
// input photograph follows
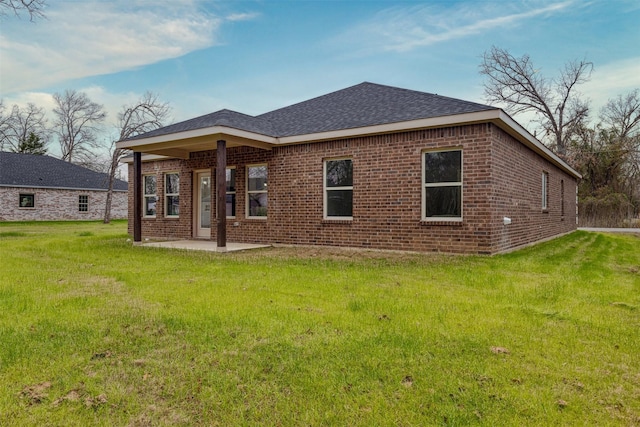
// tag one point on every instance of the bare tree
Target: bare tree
(5, 128)
(517, 84)
(622, 114)
(147, 114)
(24, 128)
(77, 124)
(607, 155)
(32, 7)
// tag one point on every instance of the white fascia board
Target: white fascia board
(457, 119)
(537, 145)
(496, 116)
(195, 133)
(145, 158)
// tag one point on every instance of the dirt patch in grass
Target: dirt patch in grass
(36, 393)
(332, 253)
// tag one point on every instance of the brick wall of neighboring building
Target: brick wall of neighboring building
(387, 193)
(54, 205)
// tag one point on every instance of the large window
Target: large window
(27, 201)
(172, 194)
(545, 190)
(231, 192)
(257, 191)
(338, 189)
(442, 192)
(150, 198)
(83, 203)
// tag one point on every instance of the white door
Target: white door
(203, 205)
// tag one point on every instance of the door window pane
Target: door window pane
(205, 202)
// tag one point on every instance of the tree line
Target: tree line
(605, 149)
(78, 127)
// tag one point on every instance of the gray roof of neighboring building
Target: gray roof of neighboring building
(30, 170)
(365, 104)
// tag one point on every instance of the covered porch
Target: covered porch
(174, 142)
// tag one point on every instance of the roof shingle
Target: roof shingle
(30, 170)
(365, 104)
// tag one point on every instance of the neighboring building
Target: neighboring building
(369, 166)
(43, 188)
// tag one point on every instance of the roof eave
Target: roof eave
(505, 122)
(496, 116)
(180, 144)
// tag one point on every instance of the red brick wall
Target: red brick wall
(517, 194)
(387, 194)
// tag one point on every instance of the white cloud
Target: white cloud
(234, 17)
(401, 29)
(81, 39)
(612, 79)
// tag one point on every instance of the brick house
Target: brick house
(368, 166)
(43, 188)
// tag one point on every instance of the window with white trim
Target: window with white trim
(27, 200)
(231, 192)
(562, 197)
(442, 185)
(257, 191)
(83, 203)
(150, 197)
(545, 190)
(338, 189)
(172, 195)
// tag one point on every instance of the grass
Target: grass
(94, 331)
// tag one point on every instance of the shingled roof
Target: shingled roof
(30, 170)
(365, 104)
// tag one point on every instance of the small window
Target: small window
(172, 195)
(150, 197)
(83, 203)
(545, 190)
(257, 191)
(27, 200)
(231, 192)
(562, 197)
(442, 186)
(338, 189)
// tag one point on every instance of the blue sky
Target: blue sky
(255, 56)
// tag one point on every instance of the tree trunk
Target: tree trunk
(112, 178)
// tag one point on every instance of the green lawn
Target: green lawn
(94, 331)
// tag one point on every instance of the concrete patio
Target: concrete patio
(202, 245)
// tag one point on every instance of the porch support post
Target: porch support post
(221, 197)
(137, 197)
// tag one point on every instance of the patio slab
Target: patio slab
(203, 245)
